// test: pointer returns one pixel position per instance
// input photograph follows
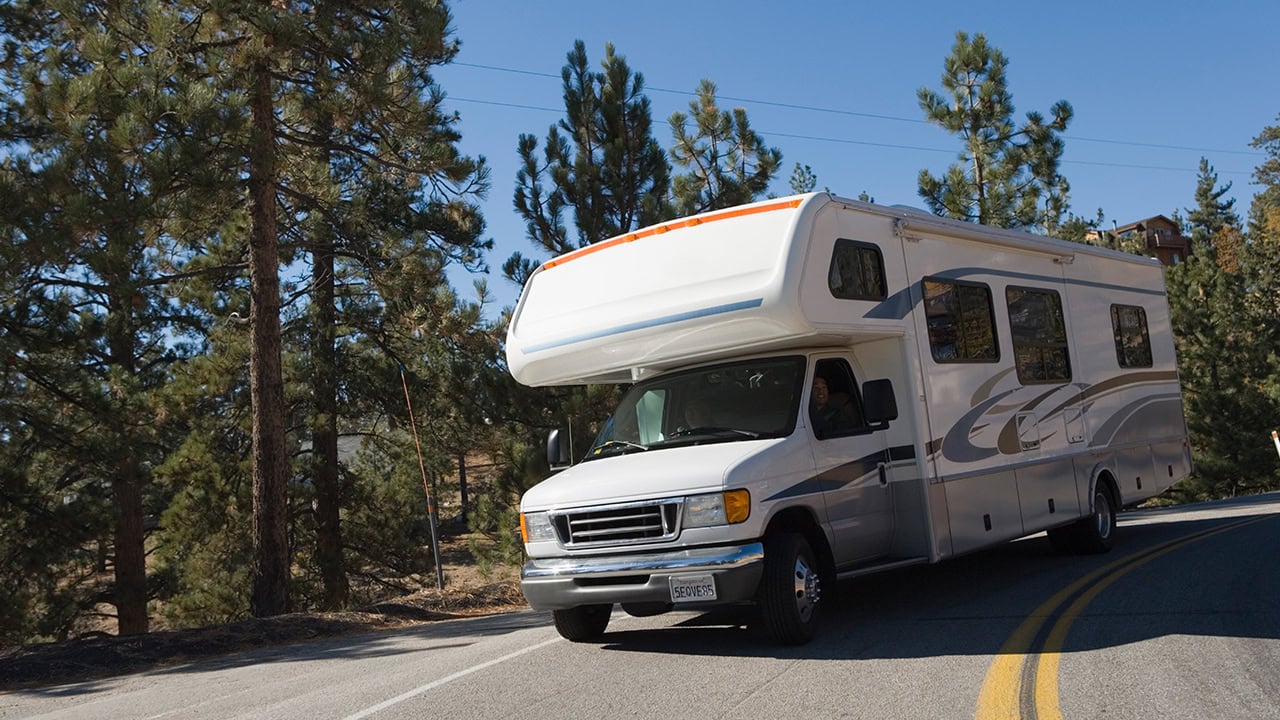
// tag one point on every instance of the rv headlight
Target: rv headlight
(536, 527)
(726, 508)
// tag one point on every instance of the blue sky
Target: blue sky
(1155, 86)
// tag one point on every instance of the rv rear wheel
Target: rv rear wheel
(790, 590)
(1095, 533)
(1091, 534)
(585, 623)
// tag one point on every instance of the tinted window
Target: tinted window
(730, 402)
(857, 271)
(834, 406)
(1039, 335)
(1133, 344)
(961, 323)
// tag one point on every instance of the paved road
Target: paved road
(1180, 620)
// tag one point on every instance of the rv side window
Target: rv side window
(857, 271)
(961, 321)
(1039, 335)
(1133, 343)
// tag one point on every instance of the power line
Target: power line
(793, 106)
(1153, 167)
(1161, 146)
(875, 116)
(844, 141)
(686, 93)
(505, 104)
(867, 143)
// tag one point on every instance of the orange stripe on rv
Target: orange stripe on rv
(673, 225)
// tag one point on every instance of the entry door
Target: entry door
(850, 462)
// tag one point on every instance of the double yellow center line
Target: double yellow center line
(1022, 684)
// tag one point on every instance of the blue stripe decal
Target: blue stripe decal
(678, 317)
(842, 475)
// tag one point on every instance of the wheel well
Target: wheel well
(1106, 481)
(800, 520)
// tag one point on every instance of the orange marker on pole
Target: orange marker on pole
(1275, 438)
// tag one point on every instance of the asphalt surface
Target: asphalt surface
(1180, 620)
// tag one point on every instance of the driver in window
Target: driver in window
(828, 415)
(697, 414)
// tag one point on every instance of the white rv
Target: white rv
(821, 388)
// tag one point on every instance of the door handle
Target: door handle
(884, 474)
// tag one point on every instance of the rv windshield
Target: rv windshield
(744, 400)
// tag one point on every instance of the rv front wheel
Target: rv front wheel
(790, 590)
(1063, 539)
(585, 623)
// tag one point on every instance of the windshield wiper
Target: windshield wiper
(714, 431)
(621, 446)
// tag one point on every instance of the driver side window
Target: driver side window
(835, 409)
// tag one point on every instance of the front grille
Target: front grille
(618, 524)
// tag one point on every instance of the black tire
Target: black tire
(790, 591)
(1063, 539)
(646, 609)
(585, 623)
(1096, 533)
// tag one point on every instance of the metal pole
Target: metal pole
(426, 485)
(1275, 438)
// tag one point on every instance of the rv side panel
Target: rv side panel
(983, 510)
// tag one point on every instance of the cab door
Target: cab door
(850, 461)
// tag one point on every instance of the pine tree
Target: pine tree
(351, 159)
(204, 558)
(1260, 264)
(1222, 365)
(803, 180)
(606, 168)
(1225, 347)
(1213, 216)
(1077, 229)
(1267, 174)
(726, 162)
(601, 167)
(1008, 175)
(101, 123)
(408, 194)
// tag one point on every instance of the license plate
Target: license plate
(692, 588)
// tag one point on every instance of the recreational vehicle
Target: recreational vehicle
(819, 388)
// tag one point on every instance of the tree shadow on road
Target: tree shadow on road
(1218, 586)
(88, 666)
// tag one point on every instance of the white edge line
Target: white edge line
(447, 679)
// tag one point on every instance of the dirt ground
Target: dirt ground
(467, 592)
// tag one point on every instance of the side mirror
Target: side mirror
(558, 450)
(879, 404)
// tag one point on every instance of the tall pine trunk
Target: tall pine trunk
(130, 592)
(130, 555)
(266, 387)
(324, 425)
(126, 489)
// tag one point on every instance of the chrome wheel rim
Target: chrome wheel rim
(1102, 514)
(807, 589)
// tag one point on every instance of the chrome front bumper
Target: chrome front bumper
(558, 583)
